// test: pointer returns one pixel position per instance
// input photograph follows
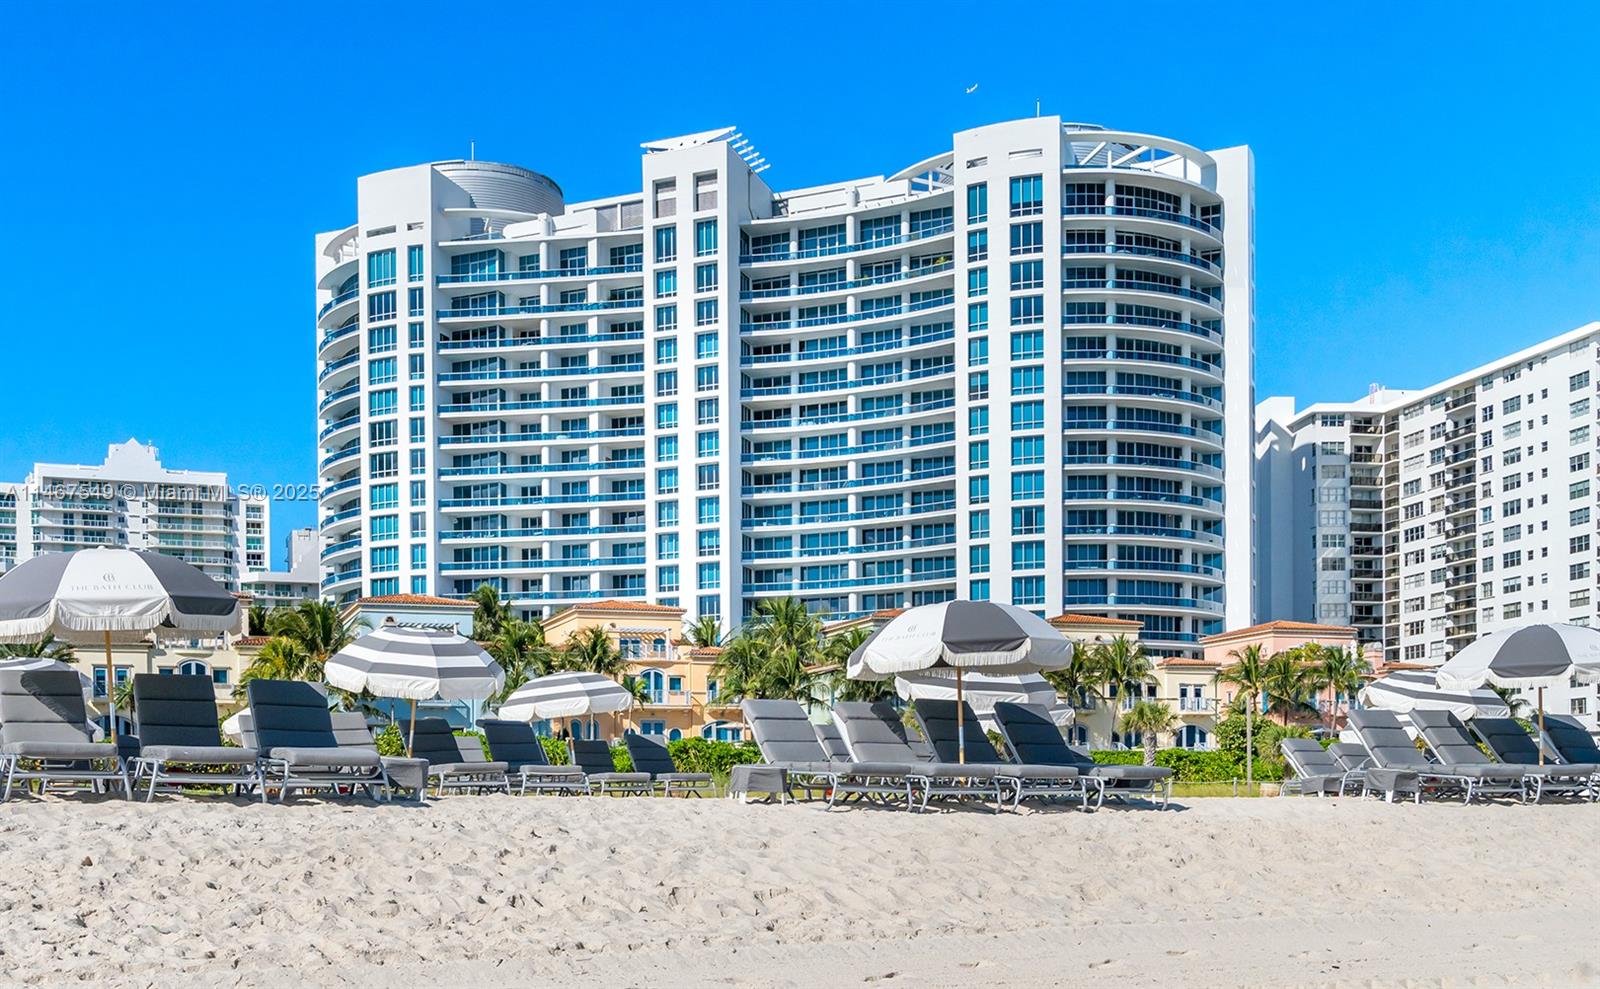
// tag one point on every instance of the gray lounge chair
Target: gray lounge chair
(1449, 742)
(451, 765)
(787, 739)
(515, 744)
(1315, 769)
(176, 721)
(1569, 740)
(1352, 760)
(651, 755)
(1032, 737)
(353, 731)
(1397, 766)
(299, 749)
(45, 736)
(832, 741)
(875, 733)
(593, 756)
(1510, 744)
(942, 732)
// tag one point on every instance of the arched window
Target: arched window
(194, 668)
(1078, 735)
(674, 735)
(655, 682)
(1190, 737)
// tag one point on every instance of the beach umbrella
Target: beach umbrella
(982, 691)
(415, 664)
(962, 636)
(233, 725)
(1529, 657)
(573, 694)
(97, 595)
(1418, 690)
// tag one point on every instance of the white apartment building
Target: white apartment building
(302, 581)
(1427, 518)
(1017, 369)
(130, 500)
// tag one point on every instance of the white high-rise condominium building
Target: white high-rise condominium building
(287, 588)
(130, 500)
(1427, 518)
(1018, 369)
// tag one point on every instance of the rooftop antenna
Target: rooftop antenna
(472, 150)
(1036, 106)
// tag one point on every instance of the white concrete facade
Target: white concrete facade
(1427, 518)
(302, 580)
(1017, 369)
(131, 500)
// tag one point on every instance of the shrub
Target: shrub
(391, 740)
(699, 755)
(1190, 766)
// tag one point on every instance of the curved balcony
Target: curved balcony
(1152, 395)
(835, 250)
(567, 532)
(334, 398)
(341, 577)
(946, 332)
(1114, 321)
(1211, 304)
(850, 285)
(1144, 497)
(348, 422)
(1198, 571)
(343, 548)
(335, 335)
(802, 422)
(347, 453)
(497, 277)
(587, 563)
(873, 549)
(541, 341)
(1137, 426)
(849, 484)
(849, 318)
(605, 498)
(506, 470)
(811, 521)
(554, 405)
(558, 437)
(337, 304)
(329, 521)
(334, 371)
(521, 598)
(555, 309)
(850, 452)
(880, 381)
(1206, 368)
(328, 490)
(1188, 536)
(1142, 602)
(851, 583)
(528, 374)
(1183, 261)
(1155, 217)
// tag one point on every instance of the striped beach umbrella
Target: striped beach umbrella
(1529, 657)
(573, 694)
(415, 664)
(963, 636)
(1418, 690)
(982, 691)
(95, 595)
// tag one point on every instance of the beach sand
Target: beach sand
(502, 891)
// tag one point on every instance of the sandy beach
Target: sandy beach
(501, 891)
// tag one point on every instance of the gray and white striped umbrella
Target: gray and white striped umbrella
(565, 695)
(963, 635)
(91, 593)
(1528, 657)
(1418, 690)
(416, 664)
(983, 691)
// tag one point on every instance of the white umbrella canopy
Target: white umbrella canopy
(983, 691)
(572, 694)
(1529, 657)
(97, 595)
(984, 636)
(1418, 690)
(415, 664)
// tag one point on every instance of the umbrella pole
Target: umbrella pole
(412, 734)
(1541, 726)
(111, 693)
(961, 722)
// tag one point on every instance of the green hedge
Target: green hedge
(1189, 766)
(691, 755)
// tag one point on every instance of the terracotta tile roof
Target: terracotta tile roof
(706, 651)
(638, 607)
(1186, 661)
(1281, 626)
(887, 614)
(1072, 619)
(416, 599)
(252, 640)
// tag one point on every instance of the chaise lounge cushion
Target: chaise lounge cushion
(943, 732)
(214, 755)
(61, 750)
(340, 757)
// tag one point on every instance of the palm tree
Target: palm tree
(256, 624)
(315, 627)
(1149, 719)
(1079, 681)
(1289, 684)
(705, 631)
(1514, 703)
(1247, 672)
(491, 612)
(738, 669)
(47, 647)
(788, 637)
(519, 647)
(1123, 666)
(281, 658)
(836, 652)
(1340, 672)
(592, 650)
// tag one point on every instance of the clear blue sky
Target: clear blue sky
(1427, 185)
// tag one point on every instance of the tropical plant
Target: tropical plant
(778, 654)
(48, 647)
(281, 658)
(258, 617)
(519, 647)
(1123, 669)
(1513, 701)
(705, 631)
(836, 652)
(637, 688)
(1247, 672)
(490, 614)
(737, 669)
(592, 651)
(1341, 672)
(316, 628)
(1267, 744)
(1289, 683)
(1079, 681)
(1149, 719)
